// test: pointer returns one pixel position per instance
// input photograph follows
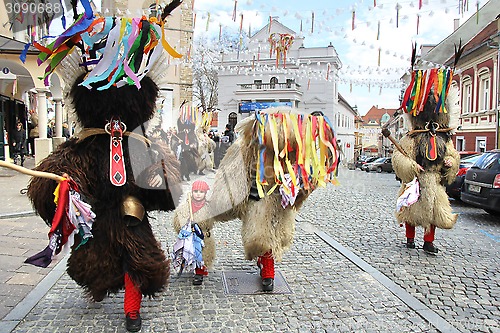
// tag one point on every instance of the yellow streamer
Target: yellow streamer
(166, 45)
(125, 22)
(289, 166)
(278, 169)
(56, 193)
(298, 138)
(418, 92)
(308, 148)
(259, 184)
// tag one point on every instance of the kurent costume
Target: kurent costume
(429, 161)
(182, 254)
(206, 149)
(278, 159)
(117, 170)
(188, 148)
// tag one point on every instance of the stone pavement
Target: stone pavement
(21, 234)
(347, 269)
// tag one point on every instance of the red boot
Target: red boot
(199, 273)
(266, 265)
(132, 305)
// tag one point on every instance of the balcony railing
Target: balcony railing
(269, 86)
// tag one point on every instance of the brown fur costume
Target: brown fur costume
(99, 265)
(433, 207)
(266, 224)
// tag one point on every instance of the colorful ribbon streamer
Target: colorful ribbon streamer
(116, 47)
(310, 162)
(421, 84)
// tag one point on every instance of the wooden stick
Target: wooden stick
(190, 206)
(30, 172)
(387, 134)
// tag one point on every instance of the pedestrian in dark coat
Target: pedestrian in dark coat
(19, 142)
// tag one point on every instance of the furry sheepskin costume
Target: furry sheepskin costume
(110, 66)
(131, 249)
(206, 149)
(267, 228)
(428, 145)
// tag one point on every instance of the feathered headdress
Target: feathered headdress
(113, 51)
(422, 83)
(425, 83)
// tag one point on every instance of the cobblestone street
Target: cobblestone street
(348, 271)
(461, 283)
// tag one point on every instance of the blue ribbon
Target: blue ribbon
(88, 9)
(24, 53)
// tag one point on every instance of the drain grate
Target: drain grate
(249, 283)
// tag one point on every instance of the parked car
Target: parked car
(482, 183)
(362, 161)
(466, 153)
(379, 165)
(454, 189)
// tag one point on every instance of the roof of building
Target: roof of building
(276, 27)
(353, 109)
(444, 51)
(12, 46)
(481, 39)
(374, 115)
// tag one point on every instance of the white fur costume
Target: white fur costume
(266, 225)
(433, 207)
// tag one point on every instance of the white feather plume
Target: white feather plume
(69, 69)
(453, 106)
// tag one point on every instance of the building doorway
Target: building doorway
(232, 120)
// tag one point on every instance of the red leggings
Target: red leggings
(133, 296)
(428, 236)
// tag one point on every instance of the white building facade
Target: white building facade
(305, 79)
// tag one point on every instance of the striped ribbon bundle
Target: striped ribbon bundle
(315, 157)
(205, 119)
(422, 81)
(114, 46)
(194, 115)
(188, 114)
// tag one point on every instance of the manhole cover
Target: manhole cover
(249, 283)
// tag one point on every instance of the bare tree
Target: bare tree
(205, 79)
(206, 55)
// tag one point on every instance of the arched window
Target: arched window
(484, 89)
(273, 82)
(385, 118)
(466, 94)
(232, 119)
